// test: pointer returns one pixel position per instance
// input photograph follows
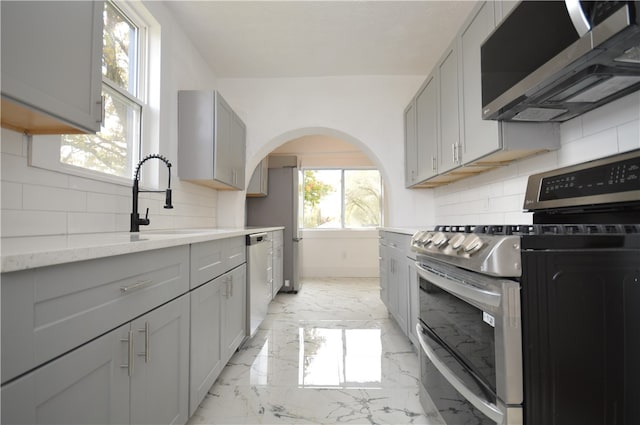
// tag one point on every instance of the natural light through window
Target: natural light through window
(344, 198)
(116, 148)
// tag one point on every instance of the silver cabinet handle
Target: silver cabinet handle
(489, 409)
(230, 280)
(130, 355)
(434, 165)
(138, 285)
(146, 331)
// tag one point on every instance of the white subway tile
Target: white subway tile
(629, 136)
(53, 199)
(11, 196)
(612, 114)
(595, 146)
(31, 223)
(515, 186)
(91, 222)
(97, 202)
(91, 185)
(13, 143)
(15, 169)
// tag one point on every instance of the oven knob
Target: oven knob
(456, 241)
(472, 243)
(426, 238)
(439, 239)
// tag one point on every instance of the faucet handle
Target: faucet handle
(145, 221)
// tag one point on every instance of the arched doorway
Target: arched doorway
(335, 251)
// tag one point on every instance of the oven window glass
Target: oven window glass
(461, 327)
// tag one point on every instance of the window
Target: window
(116, 148)
(336, 199)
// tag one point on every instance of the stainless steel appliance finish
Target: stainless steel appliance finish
(259, 293)
(280, 208)
(552, 60)
(538, 323)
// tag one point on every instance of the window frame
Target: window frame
(44, 150)
(342, 227)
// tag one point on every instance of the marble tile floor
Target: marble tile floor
(329, 354)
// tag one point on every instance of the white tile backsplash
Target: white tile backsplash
(608, 130)
(37, 201)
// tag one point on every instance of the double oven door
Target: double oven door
(471, 345)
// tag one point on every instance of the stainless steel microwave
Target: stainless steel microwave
(555, 60)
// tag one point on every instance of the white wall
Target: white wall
(41, 202)
(340, 253)
(366, 111)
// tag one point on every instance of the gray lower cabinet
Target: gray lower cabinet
(136, 338)
(51, 66)
(137, 373)
(160, 371)
(86, 386)
(394, 277)
(218, 327)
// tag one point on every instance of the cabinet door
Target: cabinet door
(481, 137)
(206, 347)
(223, 165)
(410, 146)
(234, 311)
(51, 63)
(448, 118)
(384, 271)
(426, 129)
(237, 158)
(160, 378)
(258, 184)
(86, 386)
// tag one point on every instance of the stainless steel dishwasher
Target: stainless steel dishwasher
(259, 293)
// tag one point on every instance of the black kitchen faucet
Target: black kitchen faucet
(136, 221)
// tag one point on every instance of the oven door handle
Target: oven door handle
(484, 299)
(486, 407)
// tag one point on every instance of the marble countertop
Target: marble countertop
(405, 230)
(21, 253)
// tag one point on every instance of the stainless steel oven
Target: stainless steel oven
(538, 323)
(471, 340)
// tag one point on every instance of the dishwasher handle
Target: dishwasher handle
(257, 238)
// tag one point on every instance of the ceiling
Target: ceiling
(306, 38)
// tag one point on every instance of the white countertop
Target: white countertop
(21, 253)
(403, 230)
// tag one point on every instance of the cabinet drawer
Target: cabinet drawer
(213, 258)
(50, 310)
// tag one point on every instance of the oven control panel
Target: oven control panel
(611, 180)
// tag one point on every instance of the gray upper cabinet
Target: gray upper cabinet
(410, 145)
(51, 66)
(483, 136)
(448, 117)
(259, 183)
(426, 129)
(211, 141)
(455, 134)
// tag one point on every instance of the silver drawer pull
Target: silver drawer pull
(146, 353)
(130, 354)
(138, 285)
